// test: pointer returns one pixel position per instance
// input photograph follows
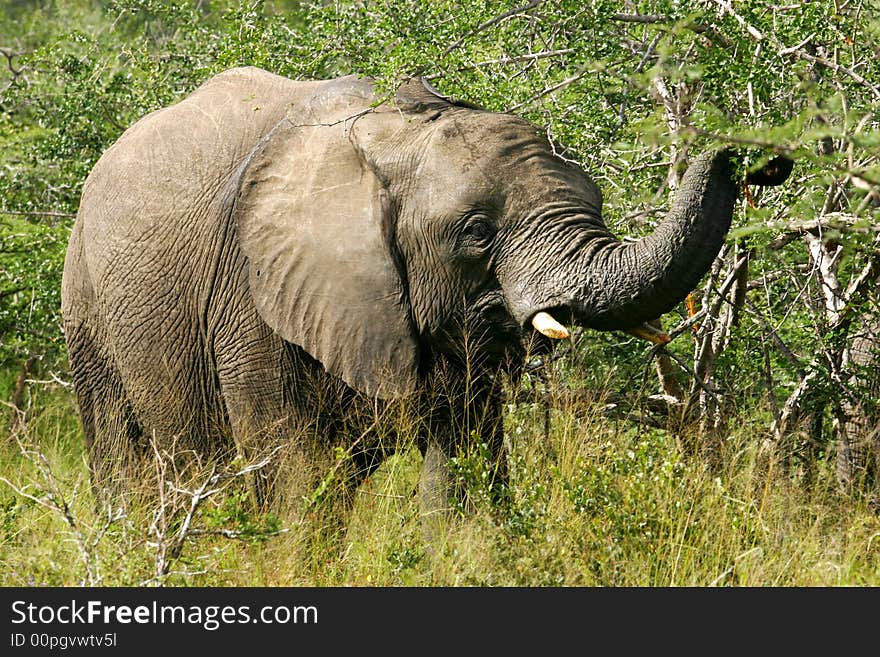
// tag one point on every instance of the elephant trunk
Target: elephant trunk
(607, 284)
(628, 284)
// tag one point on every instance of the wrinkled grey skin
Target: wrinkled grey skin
(256, 259)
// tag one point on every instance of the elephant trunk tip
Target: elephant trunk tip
(774, 173)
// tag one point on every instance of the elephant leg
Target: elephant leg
(278, 410)
(258, 422)
(477, 433)
(436, 494)
(114, 440)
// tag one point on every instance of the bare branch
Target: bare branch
(702, 385)
(775, 339)
(10, 55)
(834, 66)
(549, 90)
(54, 379)
(798, 50)
(840, 221)
(235, 534)
(178, 504)
(793, 407)
(482, 27)
(775, 147)
(697, 28)
(509, 60)
(727, 6)
(38, 213)
(49, 495)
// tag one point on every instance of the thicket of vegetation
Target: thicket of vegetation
(745, 452)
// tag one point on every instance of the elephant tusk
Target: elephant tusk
(546, 325)
(650, 333)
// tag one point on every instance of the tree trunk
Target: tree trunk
(857, 426)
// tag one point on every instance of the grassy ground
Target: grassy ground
(593, 502)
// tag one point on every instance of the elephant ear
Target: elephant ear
(315, 224)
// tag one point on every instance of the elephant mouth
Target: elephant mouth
(545, 323)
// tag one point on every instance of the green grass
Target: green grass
(592, 503)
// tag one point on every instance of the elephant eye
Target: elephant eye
(477, 232)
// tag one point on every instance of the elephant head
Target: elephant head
(380, 234)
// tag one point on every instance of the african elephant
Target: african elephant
(250, 264)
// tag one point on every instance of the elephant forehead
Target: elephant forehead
(473, 138)
(497, 160)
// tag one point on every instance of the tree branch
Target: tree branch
(37, 213)
(532, 4)
(549, 90)
(509, 60)
(698, 28)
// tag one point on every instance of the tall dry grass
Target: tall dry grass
(592, 502)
